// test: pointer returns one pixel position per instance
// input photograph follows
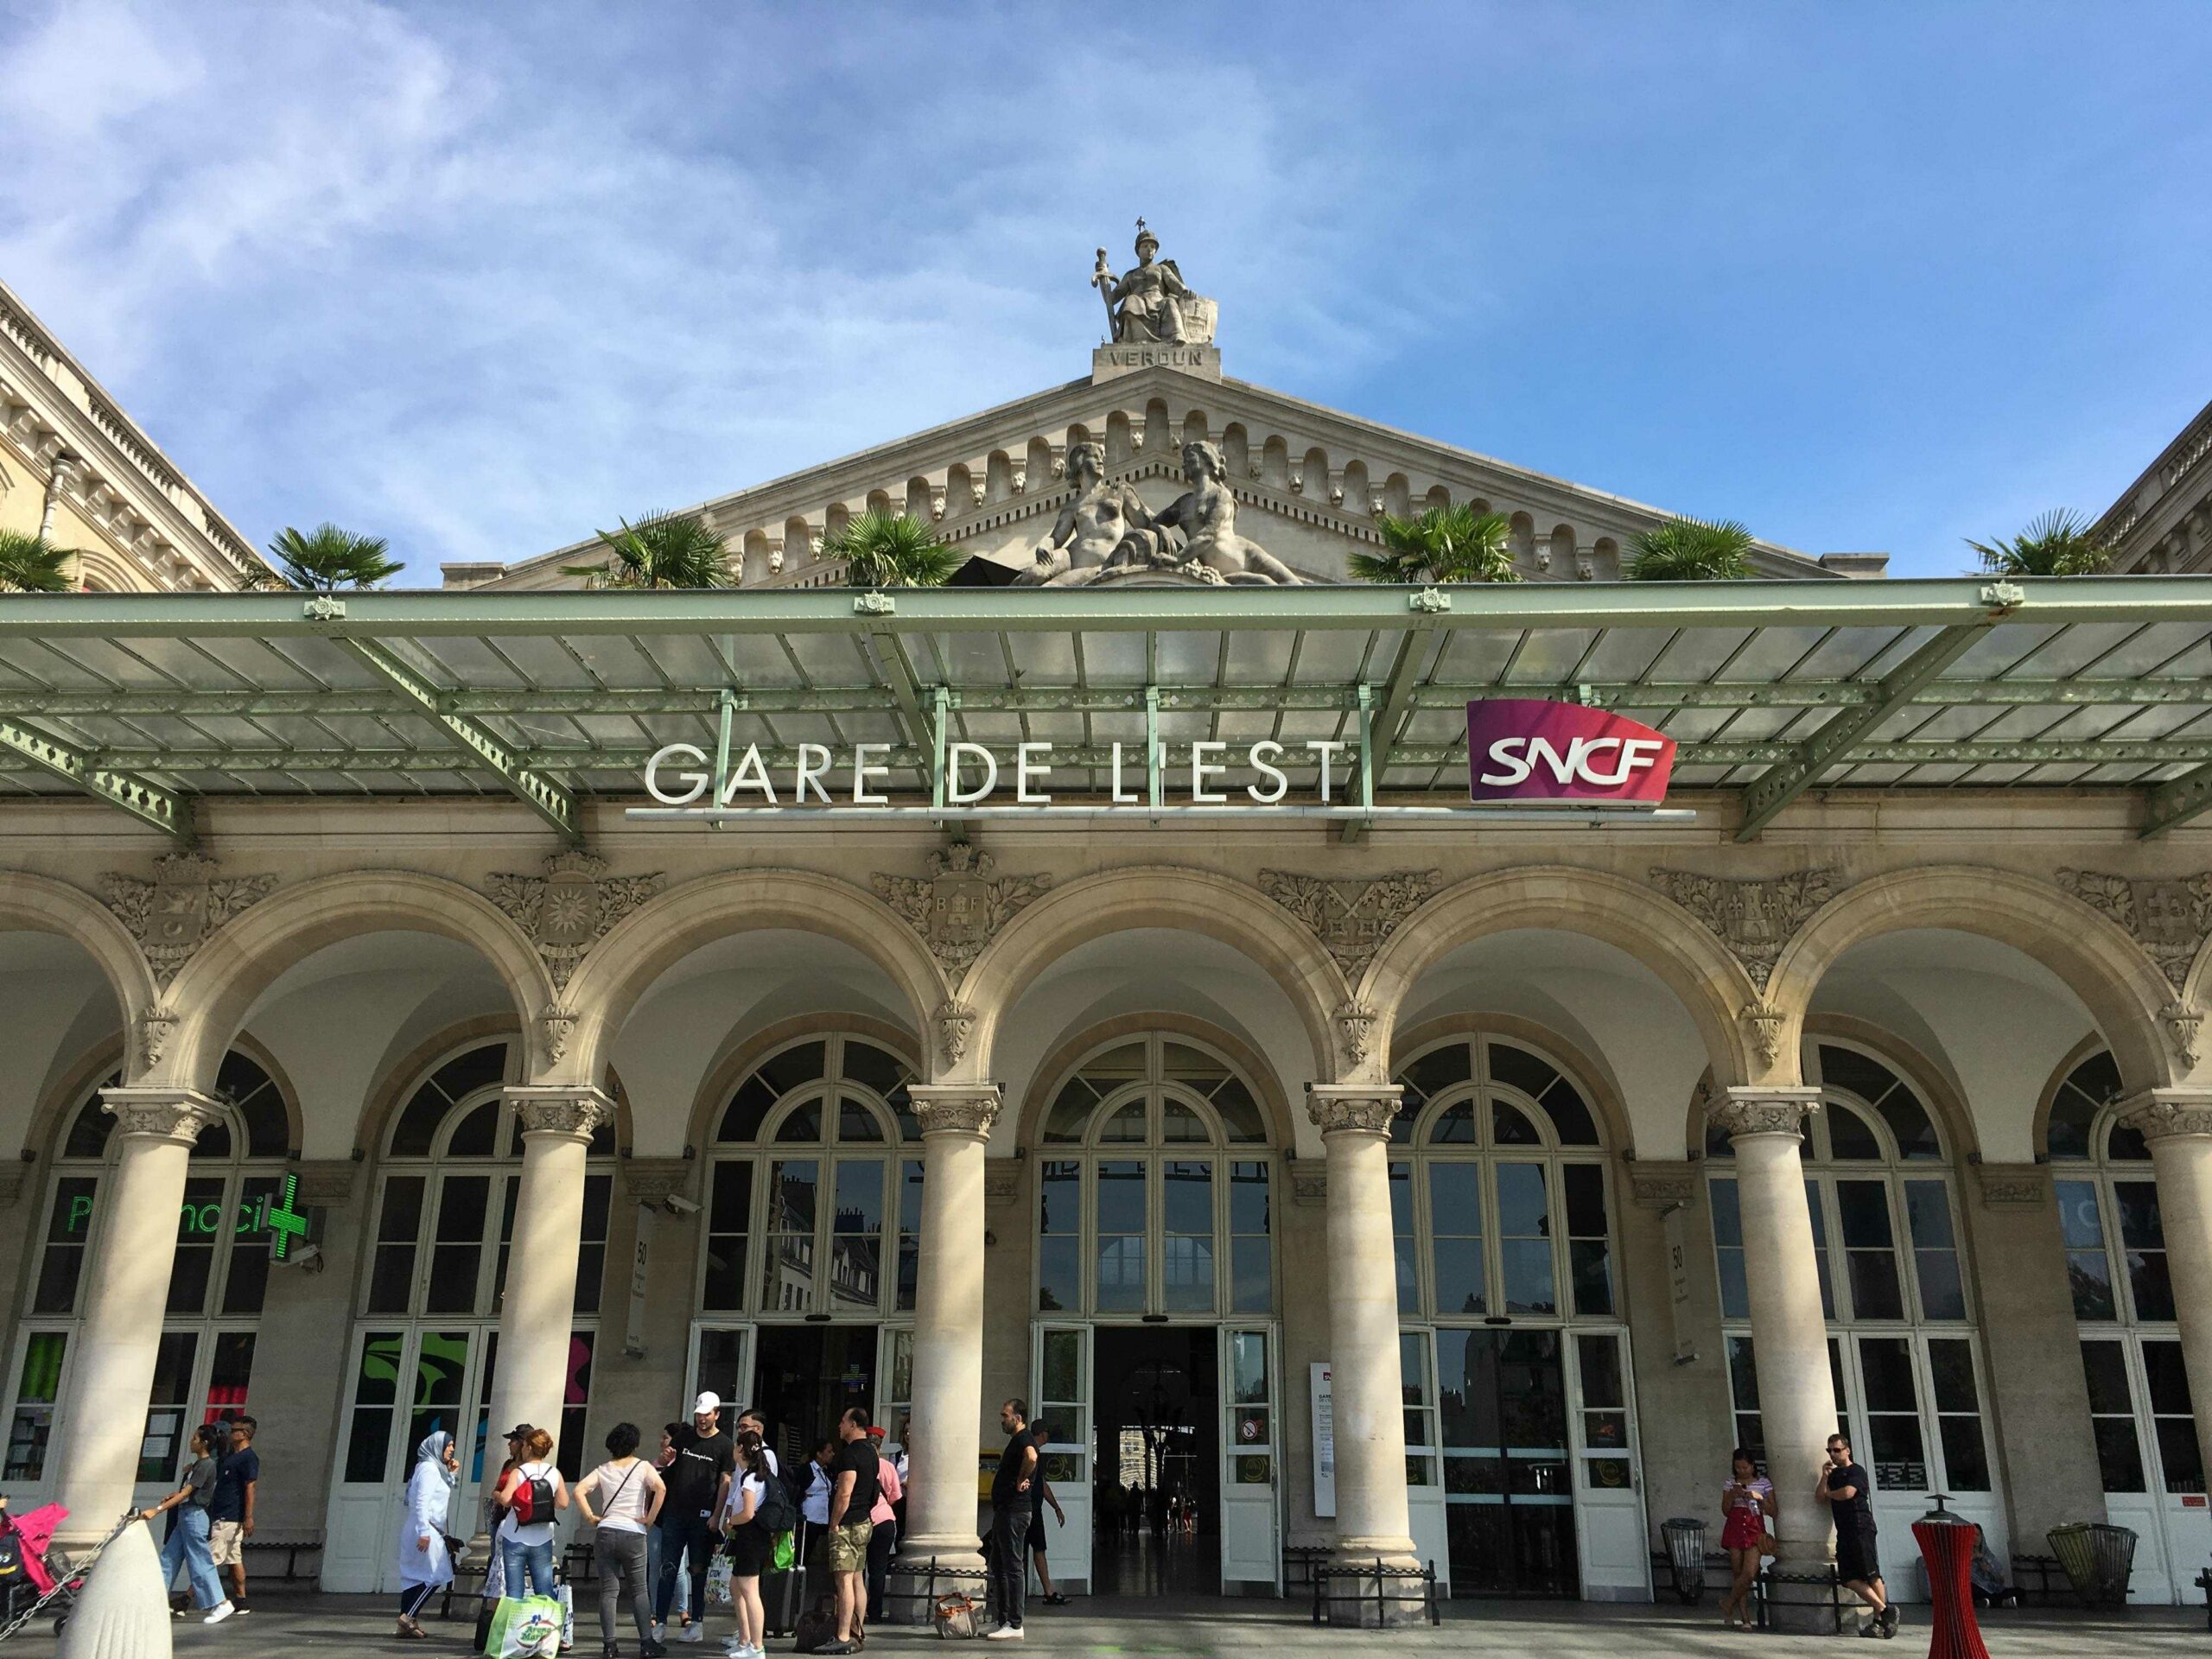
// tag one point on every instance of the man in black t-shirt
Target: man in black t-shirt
(854, 1489)
(697, 1478)
(1012, 1502)
(1849, 1495)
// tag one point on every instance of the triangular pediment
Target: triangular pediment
(1309, 482)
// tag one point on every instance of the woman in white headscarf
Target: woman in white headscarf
(424, 1566)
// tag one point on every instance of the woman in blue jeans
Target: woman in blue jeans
(526, 1549)
(189, 1544)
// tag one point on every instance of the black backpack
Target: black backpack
(775, 1512)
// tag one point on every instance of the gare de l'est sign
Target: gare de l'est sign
(1521, 752)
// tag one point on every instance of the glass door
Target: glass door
(1061, 1397)
(1424, 1477)
(1608, 1509)
(2152, 1470)
(404, 1383)
(1251, 1551)
(1508, 1483)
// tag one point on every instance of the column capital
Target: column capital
(967, 1108)
(1765, 1109)
(161, 1111)
(654, 1180)
(1656, 1185)
(1352, 1108)
(2164, 1114)
(2006, 1186)
(571, 1109)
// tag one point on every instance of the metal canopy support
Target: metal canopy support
(913, 725)
(166, 809)
(1781, 784)
(2173, 803)
(542, 795)
(1378, 729)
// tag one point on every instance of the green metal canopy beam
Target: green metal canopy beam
(542, 795)
(166, 809)
(1379, 729)
(1775, 788)
(2172, 804)
(913, 725)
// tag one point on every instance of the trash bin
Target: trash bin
(2098, 1560)
(1684, 1536)
(1946, 1543)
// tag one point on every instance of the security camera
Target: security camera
(677, 1204)
(308, 1259)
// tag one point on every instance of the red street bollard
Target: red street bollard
(1947, 1545)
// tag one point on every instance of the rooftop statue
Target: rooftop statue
(1106, 534)
(1151, 302)
(1090, 527)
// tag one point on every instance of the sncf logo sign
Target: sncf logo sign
(1525, 750)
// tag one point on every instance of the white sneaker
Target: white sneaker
(692, 1632)
(221, 1610)
(1005, 1633)
(660, 1631)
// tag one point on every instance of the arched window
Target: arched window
(1153, 1186)
(205, 1360)
(2115, 1243)
(1904, 1356)
(1514, 1356)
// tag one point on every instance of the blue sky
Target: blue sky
(482, 278)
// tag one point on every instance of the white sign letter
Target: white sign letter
(1506, 752)
(1026, 771)
(862, 772)
(1283, 782)
(1119, 799)
(698, 780)
(750, 773)
(952, 794)
(1199, 768)
(804, 776)
(1326, 750)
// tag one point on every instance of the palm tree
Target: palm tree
(1442, 544)
(2057, 543)
(31, 564)
(662, 549)
(1691, 549)
(881, 549)
(327, 558)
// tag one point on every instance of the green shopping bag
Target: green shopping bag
(524, 1627)
(787, 1552)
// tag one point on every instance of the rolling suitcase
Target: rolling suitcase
(781, 1600)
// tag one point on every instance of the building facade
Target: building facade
(1336, 1168)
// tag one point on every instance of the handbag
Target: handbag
(955, 1616)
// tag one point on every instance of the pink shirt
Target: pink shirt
(887, 1491)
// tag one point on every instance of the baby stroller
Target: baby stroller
(36, 1575)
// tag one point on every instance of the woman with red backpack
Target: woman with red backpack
(532, 1494)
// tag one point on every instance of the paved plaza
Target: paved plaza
(280, 1627)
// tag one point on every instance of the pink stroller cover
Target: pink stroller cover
(38, 1530)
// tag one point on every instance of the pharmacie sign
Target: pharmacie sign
(1523, 754)
(272, 1216)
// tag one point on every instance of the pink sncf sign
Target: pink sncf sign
(1521, 749)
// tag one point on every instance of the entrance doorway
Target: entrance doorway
(1510, 1500)
(806, 1377)
(1157, 1480)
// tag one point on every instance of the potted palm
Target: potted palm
(31, 564)
(1691, 549)
(662, 549)
(1439, 545)
(328, 558)
(883, 549)
(2056, 543)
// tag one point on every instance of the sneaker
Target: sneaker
(1889, 1623)
(1005, 1633)
(609, 1651)
(660, 1630)
(651, 1650)
(221, 1610)
(692, 1633)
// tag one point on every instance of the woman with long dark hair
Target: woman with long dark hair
(1747, 1502)
(750, 1547)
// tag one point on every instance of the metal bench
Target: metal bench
(292, 1547)
(1300, 1562)
(2033, 1577)
(1380, 1575)
(1822, 1576)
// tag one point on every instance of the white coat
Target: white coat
(427, 1495)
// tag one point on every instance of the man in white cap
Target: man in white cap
(697, 1478)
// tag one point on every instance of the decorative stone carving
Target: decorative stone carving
(1352, 916)
(172, 916)
(1352, 1108)
(1766, 1111)
(558, 1024)
(566, 911)
(954, 1108)
(655, 1180)
(1002, 1180)
(1355, 1023)
(327, 1182)
(1309, 1180)
(2182, 1024)
(1090, 527)
(1151, 303)
(155, 1027)
(576, 1111)
(166, 1114)
(2006, 1186)
(956, 1023)
(1763, 1022)
(2161, 1113)
(1661, 1186)
(1754, 919)
(959, 908)
(1195, 536)
(2169, 917)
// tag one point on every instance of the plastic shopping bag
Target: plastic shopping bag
(525, 1627)
(787, 1552)
(567, 1598)
(718, 1582)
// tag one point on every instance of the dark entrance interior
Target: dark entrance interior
(1156, 1516)
(807, 1375)
(1509, 1499)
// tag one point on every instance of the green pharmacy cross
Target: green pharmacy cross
(282, 1219)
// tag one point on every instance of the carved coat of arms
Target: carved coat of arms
(960, 907)
(2170, 917)
(1754, 919)
(566, 910)
(172, 915)
(1352, 916)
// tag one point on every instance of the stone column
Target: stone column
(1790, 1340)
(948, 1382)
(538, 1313)
(1367, 1393)
(2177, 1124)
(103, 1416)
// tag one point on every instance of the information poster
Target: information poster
(1325, 1441)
